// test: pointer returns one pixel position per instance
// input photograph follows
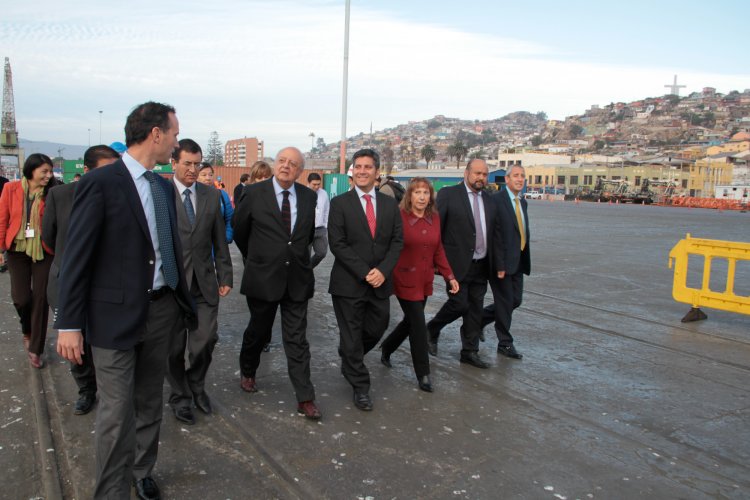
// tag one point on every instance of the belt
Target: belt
(154, 295)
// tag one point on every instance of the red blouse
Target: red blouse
(422, 253)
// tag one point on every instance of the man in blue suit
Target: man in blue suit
(122, 282)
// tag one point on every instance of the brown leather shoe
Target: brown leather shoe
(248, 384)
(309, 410)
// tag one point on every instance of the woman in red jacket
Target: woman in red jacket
(21, 211)
(413, 275)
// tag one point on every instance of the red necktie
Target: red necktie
(370, 213)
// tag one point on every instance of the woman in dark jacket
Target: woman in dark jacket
(413, 275)
(21, 212)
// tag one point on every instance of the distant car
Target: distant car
(533, 195)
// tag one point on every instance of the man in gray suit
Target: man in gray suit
(206, 259)
(54, 233)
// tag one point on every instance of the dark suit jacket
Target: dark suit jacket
(507, 249)
(55, 230)
(356, 251)
(199, 241)
(458, 230)
(108, 266)
(276, 263)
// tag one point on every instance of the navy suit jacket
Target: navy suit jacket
(507, 249)
(108, 266)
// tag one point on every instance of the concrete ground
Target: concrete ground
(615, 397)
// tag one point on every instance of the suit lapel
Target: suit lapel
(269, 196)
(357, 208)
(127, 184)
(301, 214)
(466, 204)
(510, 208)
(201, 203)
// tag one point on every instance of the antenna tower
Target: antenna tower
(8, 132)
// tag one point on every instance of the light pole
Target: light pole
(100, 126)
(312, 140)
(342, 150)
(89, 137)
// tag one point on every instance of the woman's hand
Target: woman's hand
(454, 286)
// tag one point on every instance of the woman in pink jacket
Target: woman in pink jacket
(413, 275)
(21, 211)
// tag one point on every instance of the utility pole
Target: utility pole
(100, 126)
(342, 150)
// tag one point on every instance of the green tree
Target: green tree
(215, 150)
(428, 153)
(541, 115)
(458, 150)
(433, 124)
(477, 155)
(599, 145)
(387, 154)
(576, 130)
(536, 140)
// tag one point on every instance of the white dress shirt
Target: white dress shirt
(292, 199)
(482, 218)
(322, 208)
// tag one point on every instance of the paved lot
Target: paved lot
(615, 398)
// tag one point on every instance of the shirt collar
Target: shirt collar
(471, 191)
(512, 196)
(413, 219)
(134, 167)
(278, 189)
(181, 187)
(361, 193)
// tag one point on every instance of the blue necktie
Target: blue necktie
(189, 207)
(164, 231)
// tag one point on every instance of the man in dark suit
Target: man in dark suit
(238, 189)
(274, 226)
(208, 272)
(54, 233)
(512, 259)
(466, 223)
(122, 282)
(365, 236)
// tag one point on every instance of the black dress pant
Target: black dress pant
(362, 322)
(85, 373)
(293, 335)
(507, 294)
(413, 326)
(467, 303)
(28, 290)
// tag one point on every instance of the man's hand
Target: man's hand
(375, 278)
(501, 274)
(454, 286)
(224, 290)
(70, 346)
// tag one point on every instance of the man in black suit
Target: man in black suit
(237, 194)
(54, 233)
(365, 236)
(512, 259)
(122, 282)
(208, 272)
(274, 226)
(466, 224)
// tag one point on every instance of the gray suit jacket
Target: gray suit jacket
(55, 223)
(207, 236)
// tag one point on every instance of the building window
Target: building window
(537, 179)
(587, 180)
(573, 180)
(637, 180)
(561, 179)
(684, 183)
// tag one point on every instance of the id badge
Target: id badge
(30, 233)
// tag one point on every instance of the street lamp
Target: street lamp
(312, 140)
(100, 126)
(89, 137)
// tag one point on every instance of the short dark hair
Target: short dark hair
(35, 161)
(260, 170)
(204, 165)
(101, 152)
(314, 176)
(244, 178)
(144, 118)
(369, 153)
(468, 164)
(187, 145)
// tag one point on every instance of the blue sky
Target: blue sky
(272, 69)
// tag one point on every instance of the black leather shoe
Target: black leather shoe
(362, 401)
(184, 414)
(84, 404)
(425, 384)
(481, 336)
(203, 403)
(473, 359)
(146, 489)
(432, 348)
(509, 351)
(385, 358)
